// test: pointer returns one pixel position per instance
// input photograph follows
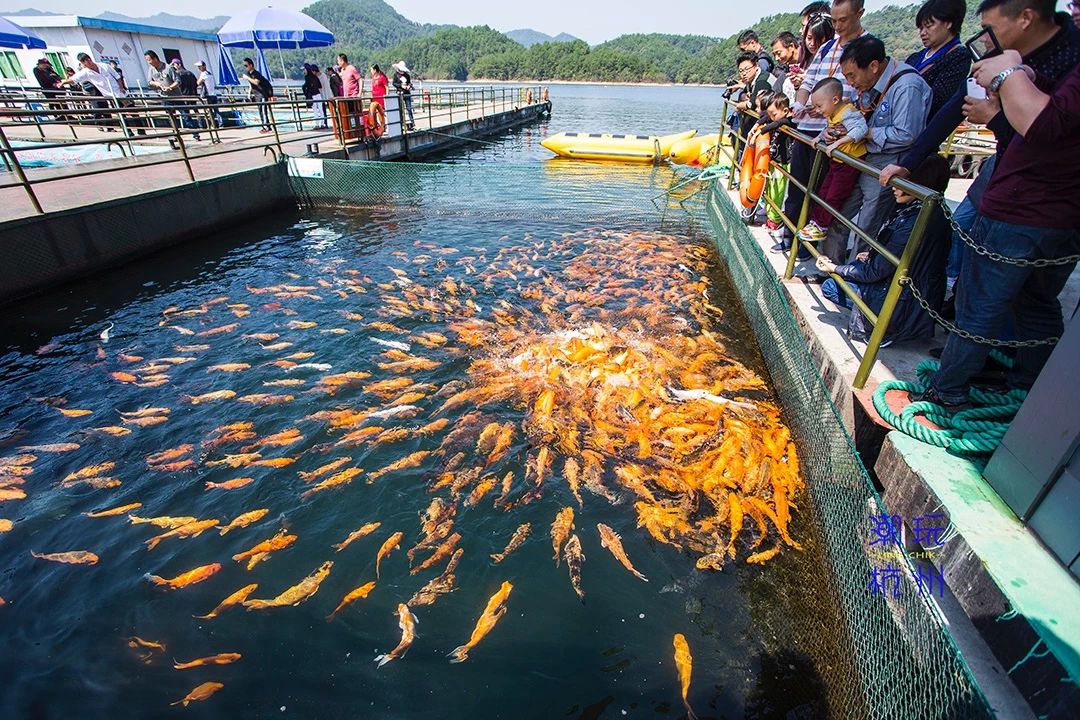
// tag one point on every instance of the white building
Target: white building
(104, 40)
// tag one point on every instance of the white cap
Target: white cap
(400, 66)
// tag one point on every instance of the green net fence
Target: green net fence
(853, 653)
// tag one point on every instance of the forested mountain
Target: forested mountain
(366, 24)
(529, 37)
(448, 53)
(183, 22)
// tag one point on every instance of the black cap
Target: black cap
(82, 57)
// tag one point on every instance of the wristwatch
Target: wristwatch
(995, 84)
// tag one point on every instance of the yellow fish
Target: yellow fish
(113, 511)
(202, 692)
(496, 608)
(388, 547)
(515, 541)
(357, 534)
(74, 557)
(323, 469)
(409, 461)
(230, 484)
(194, 529)
(357, 594)
(244, 520)
(407, 622)
(164, 521)
(297, 593)
(610, 539)
(685, 664)
(219, 659)
(341, 478)
(91, 471)
(235, 599)
(560, 531)
(75, 413)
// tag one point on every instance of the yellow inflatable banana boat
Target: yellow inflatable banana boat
(701, 150)
(620, 148)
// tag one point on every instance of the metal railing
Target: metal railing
(930, 201)
(62, 122)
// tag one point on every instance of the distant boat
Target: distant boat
(613, 147)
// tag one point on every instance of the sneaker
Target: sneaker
(264, 131)
(781, 247)
(812, 232)
(772, 226)
(930, 395)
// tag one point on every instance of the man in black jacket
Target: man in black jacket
(749, 43)
(49, 81)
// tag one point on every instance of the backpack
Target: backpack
(189, 84)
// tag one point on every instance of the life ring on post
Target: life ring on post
(754, 171)
(545, 94)
(376, 119)
(529, 97)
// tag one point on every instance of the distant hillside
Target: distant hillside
(369, 24)
(27, 12)
(529, 37)
(181, 22)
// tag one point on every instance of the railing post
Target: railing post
(273, 124)
(5, 146)
(180, 142)
(922, 222)
(451, 107)
(815, 174)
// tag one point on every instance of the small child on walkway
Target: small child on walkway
(870, 274)
(848, 127)
(778, 112)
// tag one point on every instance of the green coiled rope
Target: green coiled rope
(974, 431)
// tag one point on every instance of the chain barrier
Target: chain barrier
(961, 332)
(998, 257)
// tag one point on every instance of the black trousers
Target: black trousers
(802, 161)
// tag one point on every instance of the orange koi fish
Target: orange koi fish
(275, 462)
(496, 608)
(113, 511)
(100, 483)
(219, 659)
(202, 692)
(235, 599)
(207, 397)
(190, 530)
(165, 522)
(516, 539)
(279, 542)
(145, 421)
(560, 531)
(322, 470)
(235, 461)
(388, 547)
(437, 586)
(285, 382)
(265, 399)
(409, 461)
(91, 471)
(165, 456)
(357, 534)
(572, 473)
(51, 447)
(229, 484)
(191, 577)
(242, 521)
(137, 642)
(6, 525)
(228, 367)
(441, 552)
(123, 377)
(359, 593)
(613, 542)
(73, 413)
(684, 662)
(407, 622)
(341, 478)
(74, 557)
(297, 593)
(145, 412)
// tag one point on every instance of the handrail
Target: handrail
(930, 201)
(165, 119)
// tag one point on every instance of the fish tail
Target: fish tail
(156, 579)
(210, 616)
(382, 660)
(183, 702)
(459, 654)
(690, 714)
(256, 604)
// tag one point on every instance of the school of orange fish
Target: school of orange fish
(628, 397)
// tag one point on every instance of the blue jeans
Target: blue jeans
(832, 291)
(990, 294)
(964, 215)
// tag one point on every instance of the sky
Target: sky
(591, 20)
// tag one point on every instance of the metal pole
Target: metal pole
(180, 141)
(815, 174)
(277, 137)
(893, 295)
(5, 146)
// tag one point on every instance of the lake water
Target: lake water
(499, 265)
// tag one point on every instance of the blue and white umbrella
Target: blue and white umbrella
(226, 74)
(16, 36)
(274, 28)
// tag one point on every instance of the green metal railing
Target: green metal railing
(930, 201)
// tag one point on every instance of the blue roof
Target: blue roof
(91, 22)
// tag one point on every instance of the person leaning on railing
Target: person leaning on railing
(1049, 43)
(1029, 211)
(895, 100)
(871, 274)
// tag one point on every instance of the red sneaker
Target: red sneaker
(772, 225)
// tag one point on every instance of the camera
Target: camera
(984, 45)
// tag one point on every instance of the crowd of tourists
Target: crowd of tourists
(101, 86)
(835, 82)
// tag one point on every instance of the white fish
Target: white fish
(105, 334)
(310, 366)
(405, 347)
(705, 395)
(392, 411)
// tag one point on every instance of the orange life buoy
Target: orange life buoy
(376, 119)
(545, 94)
(754, 171)
(529, 97)
(427, 97)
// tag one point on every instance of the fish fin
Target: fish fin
(690, 714)
(459, 654)
(204, 617)
(154, 579)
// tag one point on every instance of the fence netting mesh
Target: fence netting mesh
(859, 654)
